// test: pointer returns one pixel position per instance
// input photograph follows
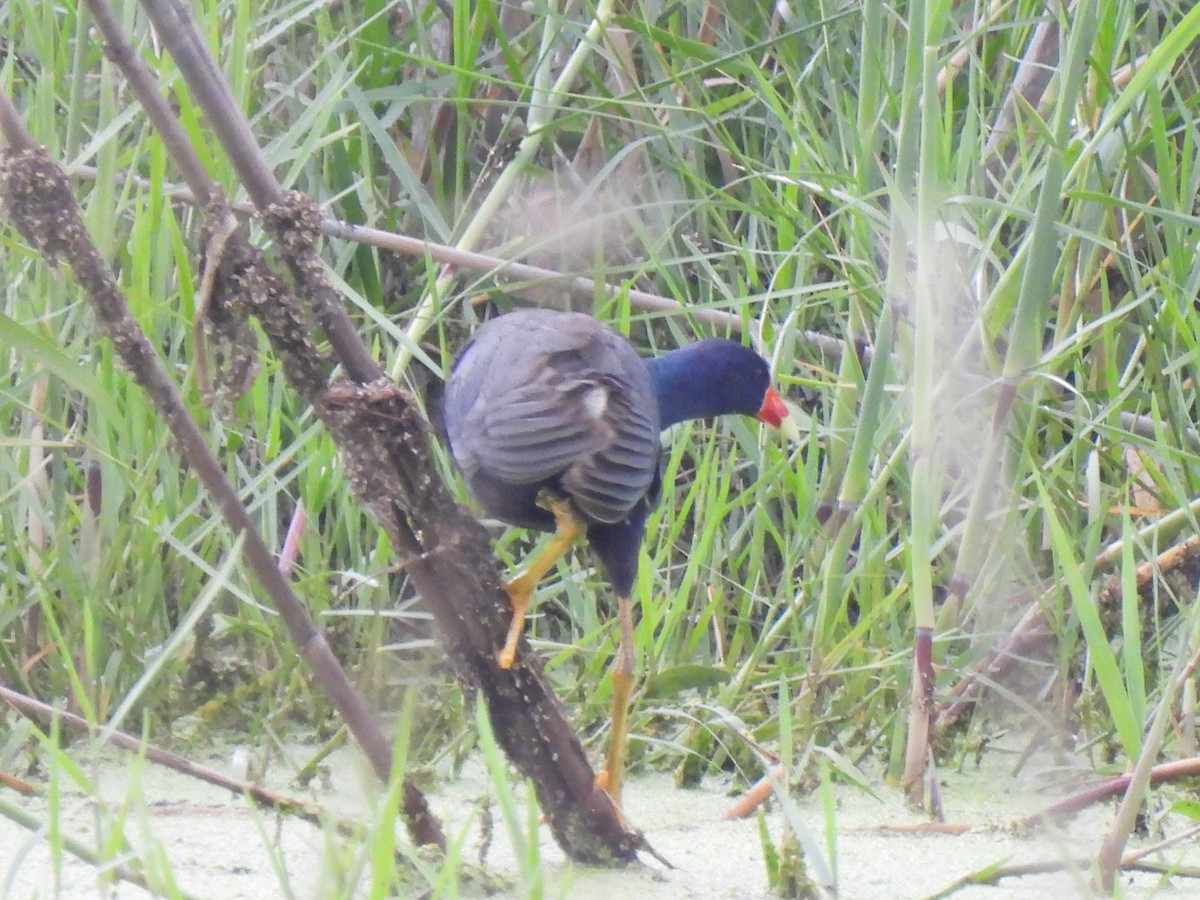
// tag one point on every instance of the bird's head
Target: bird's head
(714, 377)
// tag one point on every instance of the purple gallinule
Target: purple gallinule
(554, 420)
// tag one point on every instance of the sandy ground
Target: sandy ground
(218, 847)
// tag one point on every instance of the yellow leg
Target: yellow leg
(520, 588)
(610, 777)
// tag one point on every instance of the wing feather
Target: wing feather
(574, 408)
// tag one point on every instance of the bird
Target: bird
(554, 421)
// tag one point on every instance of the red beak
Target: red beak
(774, 410)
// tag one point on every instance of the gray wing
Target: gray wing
(541, 397)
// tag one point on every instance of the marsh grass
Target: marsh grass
(808, 172)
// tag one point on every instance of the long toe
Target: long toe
(518, 596)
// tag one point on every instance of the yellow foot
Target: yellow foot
(520, 588)
(520, 606)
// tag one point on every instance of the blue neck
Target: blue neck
(686, 387)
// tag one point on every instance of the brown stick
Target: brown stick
(919, 724)
(1111, 787)
(1173, 557)
(20, 785)
(45, 715)
(38, 200)
(758, 794)
(514, 273)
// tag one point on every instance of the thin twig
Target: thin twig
(1108, 788)
(514, 273)
(46, 715)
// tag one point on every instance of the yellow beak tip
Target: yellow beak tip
(790, 430)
